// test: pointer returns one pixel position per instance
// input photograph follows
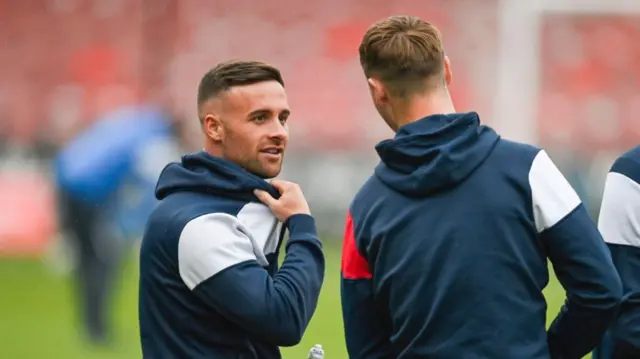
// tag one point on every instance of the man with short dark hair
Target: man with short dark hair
(210, 286)
(446, 245)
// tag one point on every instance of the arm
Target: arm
(364, 334)
(619, 224)
(580, 259)
(218, 264)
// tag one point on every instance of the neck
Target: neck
(420, 106)
(212, 149)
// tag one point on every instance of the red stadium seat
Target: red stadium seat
(593, 60)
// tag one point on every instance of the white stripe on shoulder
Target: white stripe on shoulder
(263, 228)
(619, 220)
(209, 244)
(552, 195)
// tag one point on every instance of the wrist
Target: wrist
(301, 225)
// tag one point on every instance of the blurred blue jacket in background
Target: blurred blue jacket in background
(114, 165)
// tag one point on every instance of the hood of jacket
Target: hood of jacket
(205, 173)
(434, 153)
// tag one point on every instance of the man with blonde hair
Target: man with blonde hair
(446, 245)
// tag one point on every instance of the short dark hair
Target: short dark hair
(235, 73)
(404, 52)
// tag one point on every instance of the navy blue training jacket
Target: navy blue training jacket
(210, 286)
(446, 246)
(619, 223)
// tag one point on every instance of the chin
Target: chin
(271, 174)
(268, 173)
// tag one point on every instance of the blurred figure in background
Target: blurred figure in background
(105, 179)
(619, 223)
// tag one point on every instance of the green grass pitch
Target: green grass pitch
(37, 317)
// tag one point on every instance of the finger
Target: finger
(280, 185)
(264, 197)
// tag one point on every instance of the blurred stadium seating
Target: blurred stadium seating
(64, 62)
(590, 81)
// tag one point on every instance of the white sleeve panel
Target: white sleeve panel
(263, 227)
(209, 244)
(619, 220)
(552, 195)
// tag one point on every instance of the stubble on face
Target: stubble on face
(253, 129)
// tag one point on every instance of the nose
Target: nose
(280, 131)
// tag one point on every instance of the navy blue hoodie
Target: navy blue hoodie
(619, 223)
(446, 246)
(210, 286)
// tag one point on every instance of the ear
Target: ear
(213, 128)
(447, 70)
(378, 90)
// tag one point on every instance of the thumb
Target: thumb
(264, 197)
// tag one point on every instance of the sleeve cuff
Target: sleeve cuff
(301, 226)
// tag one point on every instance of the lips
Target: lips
(273, 150)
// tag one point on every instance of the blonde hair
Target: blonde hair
(405, 53)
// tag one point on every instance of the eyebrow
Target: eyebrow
(265, 111)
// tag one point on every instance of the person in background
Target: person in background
(446, 244)
(105, 178)
(619, 223)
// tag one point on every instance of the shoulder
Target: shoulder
(633, 154)
(178, 209)
(516, 152)
(533, 163)
(202, 235)
(621, 201)
(512, 161)
(552, 195)
(628, 165)
(176, 213)
(214, 241)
